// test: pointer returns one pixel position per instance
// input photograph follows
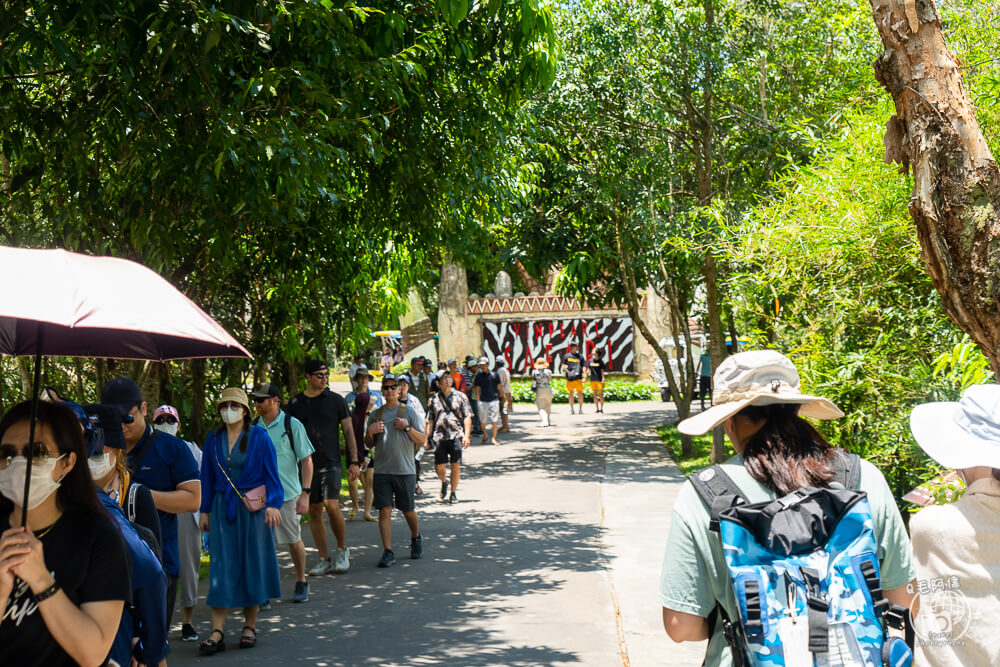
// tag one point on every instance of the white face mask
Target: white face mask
(169, 429)
(231, 415)
(42, 484)
(101, 465)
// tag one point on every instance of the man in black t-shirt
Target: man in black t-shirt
(486, 387)
(324, 413)
(595, 369)
(572, 363)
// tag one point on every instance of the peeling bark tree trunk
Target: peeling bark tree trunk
(956, 188)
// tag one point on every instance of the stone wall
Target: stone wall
(461, 317)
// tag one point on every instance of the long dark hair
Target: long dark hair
(77, 492)
(787, 453)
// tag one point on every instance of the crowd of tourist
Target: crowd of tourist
(121, 506)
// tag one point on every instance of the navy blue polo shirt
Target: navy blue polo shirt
(167, 464)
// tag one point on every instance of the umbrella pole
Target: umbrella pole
(28, 451)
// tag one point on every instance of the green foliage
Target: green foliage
(292, 167)
(702, 456)
(614, 391)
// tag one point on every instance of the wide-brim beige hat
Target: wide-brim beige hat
(963, 434)
(234, 394)
(541, 363)
(760, 377)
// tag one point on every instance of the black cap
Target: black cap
(266, 390)
(121, 391)
(389, 377)
(106, 421)
(315, 366)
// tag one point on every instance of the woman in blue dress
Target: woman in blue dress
(243, 566)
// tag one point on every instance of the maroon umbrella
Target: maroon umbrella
(61, 303)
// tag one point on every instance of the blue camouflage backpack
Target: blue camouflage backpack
(805, 575)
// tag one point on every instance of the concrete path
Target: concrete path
(551, 557)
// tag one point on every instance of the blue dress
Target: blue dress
(243, 565)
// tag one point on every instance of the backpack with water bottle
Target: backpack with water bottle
(805, 574)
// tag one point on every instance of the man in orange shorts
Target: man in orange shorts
(572, 363)
(595, 370)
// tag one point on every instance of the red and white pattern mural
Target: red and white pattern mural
(521, 342)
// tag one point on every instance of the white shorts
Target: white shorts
(489, 412)
(290, 530)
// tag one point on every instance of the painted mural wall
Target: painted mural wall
(521, 342)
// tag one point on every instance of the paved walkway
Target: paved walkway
(552, 557)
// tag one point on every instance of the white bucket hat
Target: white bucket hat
(963, 434)
(761, 377)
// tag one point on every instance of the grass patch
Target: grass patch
(702, 458)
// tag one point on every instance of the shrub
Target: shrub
(614, 391)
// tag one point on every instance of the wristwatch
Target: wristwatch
(407, 429)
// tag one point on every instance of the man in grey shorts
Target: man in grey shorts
(292, 446)
(394, 432)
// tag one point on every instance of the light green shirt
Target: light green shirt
(288, 461)
(694, 571)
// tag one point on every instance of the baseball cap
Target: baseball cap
(453, 360)
(121, 391)
(315, 366)
(389, 377)
(403, 378)
(266, 390)
(106, 421)
(166, 410)
(484, 360)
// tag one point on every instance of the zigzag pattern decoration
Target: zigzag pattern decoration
(533, 304)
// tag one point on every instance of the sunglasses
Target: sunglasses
(165, 419)
(391, 387)
(322, 376)
(39, 452)
(230, 404)
(258, 399)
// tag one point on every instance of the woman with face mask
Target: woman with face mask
(106, 460)
(142, 634)
(238, 458)
(63, 579)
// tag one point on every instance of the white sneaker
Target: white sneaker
(342, 563)
(322, 567)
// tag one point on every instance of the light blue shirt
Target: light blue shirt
(288, 460)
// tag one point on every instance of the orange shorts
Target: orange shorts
(597, 386)
(574, 385)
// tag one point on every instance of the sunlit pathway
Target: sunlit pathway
(552, 557)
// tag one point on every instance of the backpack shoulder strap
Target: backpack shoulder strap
(129, 505)
(848, 469)
(717, 490)
(378, 413)
(288, 431)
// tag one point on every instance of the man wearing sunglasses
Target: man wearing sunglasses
(162, 463)
(324, 414)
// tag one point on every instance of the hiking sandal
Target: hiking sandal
(210, 646)
(247, 641)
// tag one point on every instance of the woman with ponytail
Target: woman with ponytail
(239, 467)
(756, 398)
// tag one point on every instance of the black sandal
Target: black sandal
(246, 641)
(210, 646)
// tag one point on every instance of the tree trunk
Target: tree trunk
(956, 182)
(197, 430)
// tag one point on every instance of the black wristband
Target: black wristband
(47, 593)
(353, 463)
